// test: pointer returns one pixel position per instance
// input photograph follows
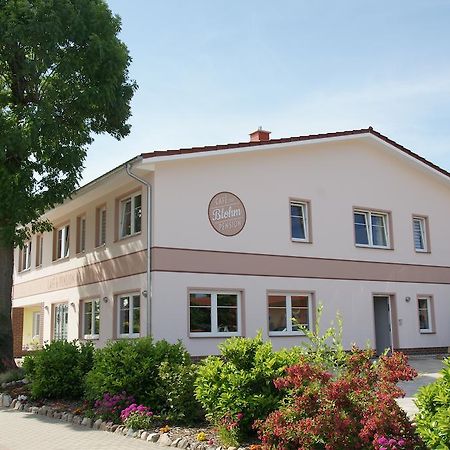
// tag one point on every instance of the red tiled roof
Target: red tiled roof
(310, 137)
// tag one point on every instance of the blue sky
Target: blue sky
(212, 71)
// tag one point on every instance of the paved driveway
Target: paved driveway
(25, 431)
(428, 369)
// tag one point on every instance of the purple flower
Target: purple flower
(383, 440)
(401, 442)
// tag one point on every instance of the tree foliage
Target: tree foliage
(63, 77)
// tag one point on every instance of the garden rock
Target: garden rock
(77, 420)
(13, 403)
(175, 442)
(97, 423)
(35, 410)
(144, 435)
(6, 400)
(153, 437)
(164, 439)
(86, 422)
(183, 443)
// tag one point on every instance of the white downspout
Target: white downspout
(128, 168)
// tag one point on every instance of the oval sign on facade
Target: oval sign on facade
(227, 214)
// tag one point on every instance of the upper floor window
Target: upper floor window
(299, 221)
(424, 309)
(214, 313)
(62, 242)
(91, 319)
(420, 234)
(288, 312)
(130, 215)
(371, 229)
(101, 226)
(25, 256)
(129, 315)
(39, 249)
(81, 234)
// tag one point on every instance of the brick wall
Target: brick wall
(17, 326)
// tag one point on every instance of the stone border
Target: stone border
(162, 439)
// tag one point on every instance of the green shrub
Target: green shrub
(237, 388)
(59, 369)
(433, 419)
(176, 386)
(149, 371)
(12, 375)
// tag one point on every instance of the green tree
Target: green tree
(63, 78)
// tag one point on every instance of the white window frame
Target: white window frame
(130, 296)
(289, 331)
(101, 231)
(305, 213)
(428, 299)
(65, 252)
(36, 326)
(368, 214)
(214, 317)
(25, 257)
(39, 249)
(423, 232)
(92, 335)
(122, 203)
(81, 244)
(62, 333)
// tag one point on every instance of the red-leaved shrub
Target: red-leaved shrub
(353, 409)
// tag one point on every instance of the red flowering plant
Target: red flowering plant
(137, 417)
(353, 409)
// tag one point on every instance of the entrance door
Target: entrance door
(382, 312)
(61, 314)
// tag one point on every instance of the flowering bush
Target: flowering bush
(111, 406)
(354, 409)
(137, 417)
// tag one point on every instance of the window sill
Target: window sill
(427, 332)
(129, 336)
(285, 333)
(25, 270)
(301, 241)
(60, 260)
(375, 247)
(426, 252)
(128, 236)
(91, 337)
(214, 335)
(100, 246)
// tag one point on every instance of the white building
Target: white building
(245, 237)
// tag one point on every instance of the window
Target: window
(25, 257)
(214, 313)
(424, 306)
(39, 249)
(420, 234)
(371, 229)
(101, 226)
(287, 312)
(129, 315)
(36, 325)
(130, 215)
(91, 319)
(81, 234)
(61, 317)
(62, 239)
(299, 221)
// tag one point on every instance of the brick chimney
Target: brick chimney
(259, 135)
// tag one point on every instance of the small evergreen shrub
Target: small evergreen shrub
(237, 388)
(433, 419)
(148, 370)
(59, 369)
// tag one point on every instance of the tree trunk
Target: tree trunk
(6, 284)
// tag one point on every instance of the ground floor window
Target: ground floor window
(129, 315)
(214, 313)
(424, 307)
(287, 312)
(91, 319)
(61, 319)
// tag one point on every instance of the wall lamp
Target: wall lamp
(105, 299)
(407, 299)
